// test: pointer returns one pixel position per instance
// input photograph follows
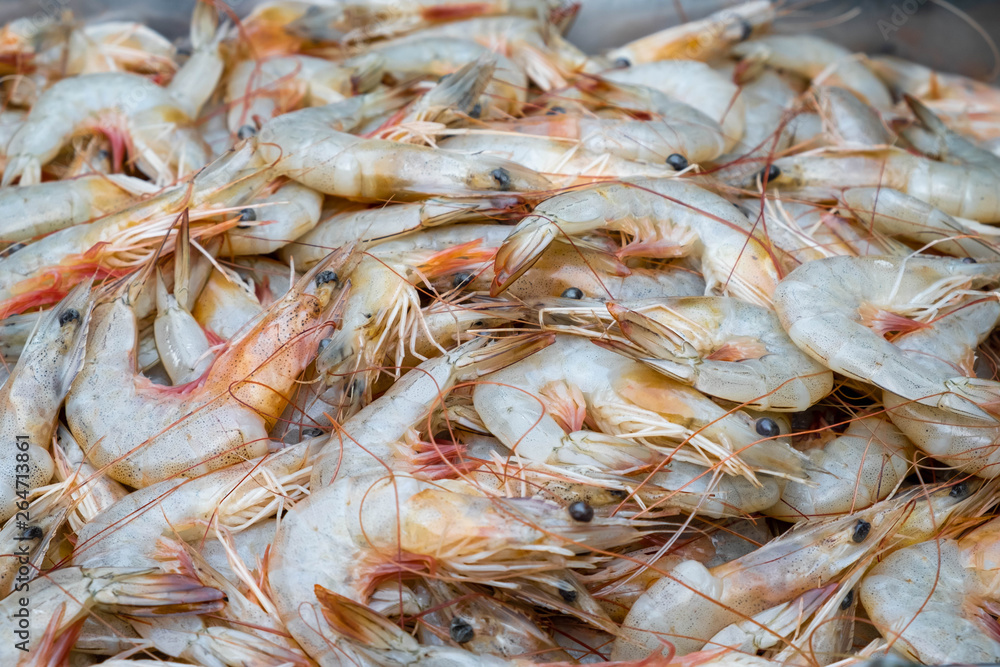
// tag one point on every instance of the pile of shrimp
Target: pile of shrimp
(406, 333)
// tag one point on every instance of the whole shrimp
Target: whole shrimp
(932, 600)
(312, 146)
(851, 472)
(835, 308)
(33, 394)
(130, 109)
(667, 218)
(966, 191)
(723, 347)
(277, 217)
(946, 348)
(128, 534)
(214, 422)
(512, 404)
(692, 603)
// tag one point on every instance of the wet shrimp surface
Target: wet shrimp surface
(409, 333)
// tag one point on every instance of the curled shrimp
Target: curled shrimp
(835, 309)
(726, 348)
(667, 217)
(179, 431)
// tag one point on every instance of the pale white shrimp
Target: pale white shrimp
(304, 145)
(92, 491)
(966, 191)
(692, 603)
(894, 213)
(851, 472)
(40, 209)
(223, 418)
(359, 522)
(274, 220)
(563, 161)
(933, 138)
(181, 343)
(257, 91)
(723, 347)
(695, 84)
(65, 596)
(769, 627)
(385, 223)
(509, 404)
(943, 350)
(704, 39)
(154, 122)
(820, 61)
(667, 217)
(226, 304)
(849, 121)
(129, 534)
(836, 308)
(932, 600)
(32, 395)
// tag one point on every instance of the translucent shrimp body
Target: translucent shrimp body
(829, 307)
(213, 423)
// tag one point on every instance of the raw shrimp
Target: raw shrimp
(272, 221)
(32, 395)
(509, 405)
(667, 218)
(132, 110)
(181, 343)
(849, 121)
(695, 84)
(705, 39)
(693, 602)
(305, 146)
(359, 526)
(259, 91)
(218, 421)
(385, 223)
(683, 130)
(961, 190)
(565, 162)
(129, 533)
(63, 597)
(836, 308)
(944, 349)
(851, 472)
(818, 60)
(933, 138)
(894, 213)
(933, 600)
(226, 304)
(91, 490)
(723, 347)
(34, 210)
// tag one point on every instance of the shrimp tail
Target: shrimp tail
(460, 90)
(147, 593)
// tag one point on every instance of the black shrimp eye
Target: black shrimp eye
(581, 511)
(104, 154)
(771, 173)
(767, 427)
(502, 177)
(476, 111)
(68, 315)
(848, 599)
(461, 280)
(460, 631)
(572, 293)
(568, 593)
(356, 388)
(326, 277)
(968, 260)
(960, 490)
(555, 110)
(312, 432)
(746, 29)
(622, 62)
(11, 249)
(677, 161)
(247, 215)
(323, 344)
(246, 131)
(33, 533)
(861, 530)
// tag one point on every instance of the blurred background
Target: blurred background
(955, 36)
